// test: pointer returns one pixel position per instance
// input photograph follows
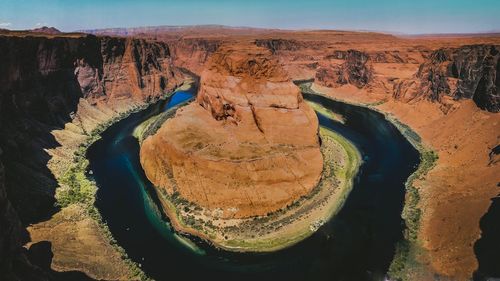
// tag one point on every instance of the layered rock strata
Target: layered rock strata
(469, 72)
(249, 144)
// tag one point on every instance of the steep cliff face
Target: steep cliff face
(444, 75)
(355, 70)
(49, 82)
(15, 262)
(137, 69)
(39, 91)
(249, 139)
(468, 72)
(193, 53)
(11, 231)
(276, 45)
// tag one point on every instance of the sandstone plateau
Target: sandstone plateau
(247, 146)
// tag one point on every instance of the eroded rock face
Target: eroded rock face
(468, 72)
(193, 53)
(276, 45)
(137, 68)
(11, 232)
(356, 70)
(247, 146)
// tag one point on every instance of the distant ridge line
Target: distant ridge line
(139, 29)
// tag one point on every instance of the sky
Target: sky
(403, 16)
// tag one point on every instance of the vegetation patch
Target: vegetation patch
(77, 188)
(407, 250)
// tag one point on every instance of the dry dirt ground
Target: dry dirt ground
(78, 243)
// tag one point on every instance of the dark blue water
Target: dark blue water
(358, 244)
(177, 98)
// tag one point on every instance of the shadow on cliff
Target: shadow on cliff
(487, 248)
(39, 93)
(30, 184)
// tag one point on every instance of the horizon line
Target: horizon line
(222, 26)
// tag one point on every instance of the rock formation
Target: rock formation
(469, 72)
(276, 45)
(247, 146)
(193, 53)
(355, 70)
(46, 30)
(11, 231)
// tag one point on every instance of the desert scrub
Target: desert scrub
(377, 103)
(305, 86)
(411, 213)
(76, 187)
(407, 250)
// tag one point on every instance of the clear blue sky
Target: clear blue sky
(406, 16)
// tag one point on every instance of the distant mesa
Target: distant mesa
(46, 30)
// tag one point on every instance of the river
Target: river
(357, 244)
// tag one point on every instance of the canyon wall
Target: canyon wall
(468, 72)
(53, 92)
(443, 75)
(408, 68)
(356, 70)
(193, 53)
